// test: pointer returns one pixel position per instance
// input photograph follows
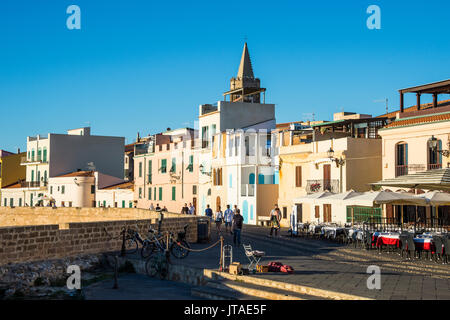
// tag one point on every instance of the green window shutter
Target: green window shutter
(45, 155)
(104, 203)
(160, 193)
(140, 193)
(191, 163)
(140, 169)
(174, 165)
(32, 155)
(174, 191)
(130, 204)
(123, 203)
(163, 166)
(150, 171)
(32, 175)
(149, 193)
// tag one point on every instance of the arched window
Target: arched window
(434, 157)
(251, 178)
(401, 159)
(260, 178)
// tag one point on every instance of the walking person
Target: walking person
(228, 218)
(218, 218)
(208, 212)
(275, 217)
(238, 221)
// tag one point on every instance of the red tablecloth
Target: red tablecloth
(388, 241)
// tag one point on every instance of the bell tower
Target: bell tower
(245, 87)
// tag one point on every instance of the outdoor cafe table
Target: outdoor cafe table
(386, 238)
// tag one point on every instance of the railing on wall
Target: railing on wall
(331, 185)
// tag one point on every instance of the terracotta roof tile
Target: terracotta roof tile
(77, 174)
(122, 185)
(419, 120)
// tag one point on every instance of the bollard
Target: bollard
(123, 250)
(221, 254)
(116, 271)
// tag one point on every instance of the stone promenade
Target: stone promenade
(335, 267)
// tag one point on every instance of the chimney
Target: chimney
(138, 138)
(18, 150)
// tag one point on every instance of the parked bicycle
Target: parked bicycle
(178, 246)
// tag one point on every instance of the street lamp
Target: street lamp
(339, 162)
(434, 146)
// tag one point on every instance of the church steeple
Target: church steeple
(245, 67)
(245, 87)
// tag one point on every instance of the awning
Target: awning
(438, 179)
(436, 198)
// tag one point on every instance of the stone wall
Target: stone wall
(41, 242)
(28, 216)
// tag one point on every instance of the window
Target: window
(217, 178)
(160, 193)
(63, 189)
(51, 189)
(39, 154)
(11, 202)
(401, 159)
(284, 212)
(92, 189)
(20, 202)
(104, 203)
(140, 193)
(174, 192)
(149, 193)
(140, 169)
(163, 165)
(32, 175)
(32, 155)
(5, 202)
(70, 203)
(123, 203)
(205, 136)
(173, 169)
(44, 159)
(45, 176)
(130, 204)
(213, 130)
(236, 146)
(150, 171)
(194, 189)
(298, 176)
(230, 146)
(434, 157)
(191, 163)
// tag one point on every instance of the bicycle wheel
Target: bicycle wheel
(163, 269)
(147, 249)
(178, 251)
(131, 245)
(151, 266)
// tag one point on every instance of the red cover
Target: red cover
(274, 266)
(287, 269)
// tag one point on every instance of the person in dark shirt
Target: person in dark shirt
(185, 209)
(208, 211)
(238, 221)
(158, 208)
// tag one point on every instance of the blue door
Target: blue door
(251, 212)
(245, 211)
(251, 178)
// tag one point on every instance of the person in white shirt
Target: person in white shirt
(191, 209)
(228, 218)
(218, 217)
(152, 208)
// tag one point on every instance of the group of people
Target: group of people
(157, 208)
(188, 210)
(232, 218)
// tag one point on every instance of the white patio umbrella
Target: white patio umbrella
(436, 198)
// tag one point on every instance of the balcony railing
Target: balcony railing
(401, 170)
(433, 166)
(33, 184)
(331, 185)
(247, 190)
(25, 160)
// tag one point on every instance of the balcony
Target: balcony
(313, 186)
(247, 190)
(434, 166)
(33, 184)
(36, 160)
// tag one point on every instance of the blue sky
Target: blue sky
(142, 65)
